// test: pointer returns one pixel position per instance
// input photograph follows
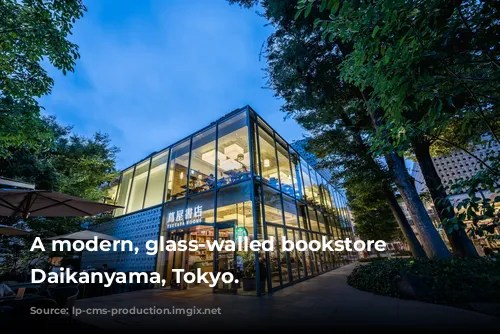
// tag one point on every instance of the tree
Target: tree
(303, 69)
(63, 162)
(429, 65)
(31, 31)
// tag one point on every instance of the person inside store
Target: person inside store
(210, 181)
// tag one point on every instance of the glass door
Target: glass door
(225, 261)
(177, 260)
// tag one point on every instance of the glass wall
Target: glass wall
(123, 191)
(202, 163)
(209, 191)
(136, 200)
(285, 174)
(178, 171)
(233, 156)
(308, 191)
(296, 175)
(156, 181)
(268, 161)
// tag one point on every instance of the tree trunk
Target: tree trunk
(411, 239)
(432, 243)
(459, 241)
(413, 243)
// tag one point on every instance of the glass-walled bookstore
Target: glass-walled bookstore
(237, 177)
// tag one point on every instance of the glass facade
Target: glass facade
(238, 176)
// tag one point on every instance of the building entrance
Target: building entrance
(205, 259)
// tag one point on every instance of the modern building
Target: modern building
(236, 176)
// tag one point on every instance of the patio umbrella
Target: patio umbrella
(84, 235)
(45, 203)
(8, 230)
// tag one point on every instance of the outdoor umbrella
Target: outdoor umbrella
(45, 203)
(84, 235)
(8, 230)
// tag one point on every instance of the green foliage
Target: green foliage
(373, 220)
(431, 66)
(31, 31)
(478, 208)
(449, 281)
(62, 162)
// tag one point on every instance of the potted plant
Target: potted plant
(249, 271)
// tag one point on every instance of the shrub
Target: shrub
(370, 259)
(449, 281)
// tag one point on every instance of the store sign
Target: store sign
(240, 232)
(183, 218)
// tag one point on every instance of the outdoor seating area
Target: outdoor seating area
(17, 298)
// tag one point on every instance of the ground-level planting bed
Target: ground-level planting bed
(452, 281)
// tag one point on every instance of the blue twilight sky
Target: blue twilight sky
(153, 72)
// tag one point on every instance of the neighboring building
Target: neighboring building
(235, 176)
(452, 168)
(458, 164)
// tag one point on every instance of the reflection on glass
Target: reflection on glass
(272, 206)
(313, 264)
(233, 153)
(315, 187)
(202, 167)
(283, 257)
(295, 261)
(124, 191)
(290, 209)
(256, 162)
(321, 222)
(156, 183)
(268, 159)
(313, 220)
(308, 193)
(111, 193)
(138, 187)
(296, 175)
(285, 175)
(304, 223)
(273, 257)
(177, 171)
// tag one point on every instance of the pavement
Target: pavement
(323, 302)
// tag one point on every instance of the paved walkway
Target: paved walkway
(322, 302)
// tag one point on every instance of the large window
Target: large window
(202, 166)
(290, 209)
(272, 206)
(308, 193)
(301, 209)
(233, 157)
(156, 183)
(178, 173)
(138, 187)
(111, 193)
(234, 206)
(274, 263)
(285, 174)
(123, 191)
(313, 220)
(296, 175)
(268, 159)
(283, 257)
(315, 187)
